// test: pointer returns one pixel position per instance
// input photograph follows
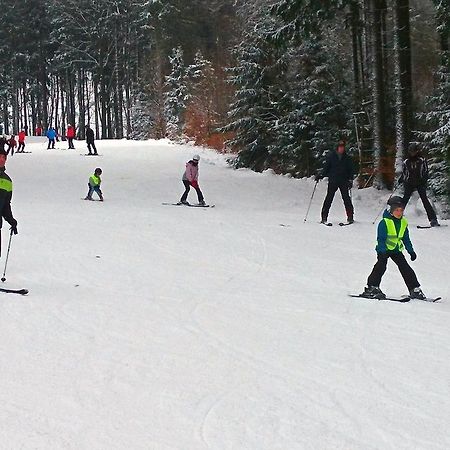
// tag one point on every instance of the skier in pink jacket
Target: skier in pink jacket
(190, 178)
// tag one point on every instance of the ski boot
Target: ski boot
(435, 223)
(202, 203)
(184, 202)
(373, 292)
(88, 198)
(417, 294)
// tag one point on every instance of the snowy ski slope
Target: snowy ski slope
(163, 327)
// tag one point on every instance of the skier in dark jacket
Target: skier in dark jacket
(414, 177)
(392, 238)
(5, 196)
(339, 170)
(90, 140)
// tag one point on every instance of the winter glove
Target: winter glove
(14, 227)
(413, 256)
(194, 184)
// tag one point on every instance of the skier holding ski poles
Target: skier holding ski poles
(5, 196)
(339, 170)
(392, 238)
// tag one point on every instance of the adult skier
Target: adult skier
(190, 178)
(392, 238)
(90, 140)
(339, 170)
(70, 133)
(5, 196)
(21, 138)
(11, 145)
(51, 136)
(414, 178)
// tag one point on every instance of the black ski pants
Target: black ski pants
(345, 193)
(89, 145)
(51, 143)
(406, 270)
(187, 187)
(21, 147)
(71, 146)
(422, 191)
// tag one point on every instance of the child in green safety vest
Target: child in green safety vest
(94, 185)
(392, 238)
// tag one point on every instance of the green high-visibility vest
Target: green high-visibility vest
(95, 180)
(6, 185)
(393, 239)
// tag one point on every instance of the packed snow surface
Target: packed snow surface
(165, 327)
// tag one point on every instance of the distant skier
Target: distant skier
(414, 177)
(70, 133)
(51, 136)
(94, 185)
(21, 138)
(392, 238)
(90, 141)
(5, 196)
(190, 178)
(38, 131)
(339, 170)
(12, 144)
(3, 142)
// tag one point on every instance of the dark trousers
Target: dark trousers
(89, 145)
(10, 149)
(422, 190)
(51, 142)
(332, 188)
(70, 140)
(93, 189)
(406, 270)
(21, 147)
(187, 187)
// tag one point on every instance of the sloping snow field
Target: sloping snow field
(163, 327)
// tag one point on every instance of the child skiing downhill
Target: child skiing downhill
(94, 185)
(392, 238)
(190, 178)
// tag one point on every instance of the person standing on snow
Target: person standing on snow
(339, 170)
(51, 136)
(414, 178)
(5, 196)
(94, 185)
(70, 136)
(21, 147)
(190, 178)
(392, 238)
(11, 145)
(90, 140)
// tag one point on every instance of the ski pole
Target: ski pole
(7, 255)
(392, 193)
(310, 201)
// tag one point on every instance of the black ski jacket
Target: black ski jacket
(415, 171)
(338, 168)
(5, 198)
(89, 135)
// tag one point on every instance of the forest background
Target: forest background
(276, 82)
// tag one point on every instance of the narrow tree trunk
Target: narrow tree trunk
(402, 65)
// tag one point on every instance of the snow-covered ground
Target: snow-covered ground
(162, 327)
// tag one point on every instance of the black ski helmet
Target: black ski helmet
(395, 201)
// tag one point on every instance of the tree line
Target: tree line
(279, 82)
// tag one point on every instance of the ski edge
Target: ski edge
(391, 299)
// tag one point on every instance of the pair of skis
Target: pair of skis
(341, 224)
(189, 204)
(14, 291)
(403, 299)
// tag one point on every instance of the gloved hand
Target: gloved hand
(317, 177)
(194, 184)
(350, 184)
(413, 256)
(14, 227)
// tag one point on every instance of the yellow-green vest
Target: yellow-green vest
(393, 239)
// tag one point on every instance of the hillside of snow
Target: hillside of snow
(162, 327)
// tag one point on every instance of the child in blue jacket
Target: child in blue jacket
(392, 238)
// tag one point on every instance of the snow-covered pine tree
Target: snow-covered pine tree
(254, 111)
(200, 111)
(176, 95)
(437, 138)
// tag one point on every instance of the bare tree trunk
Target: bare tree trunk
(402, 65)
(378, 93)
(81, 104)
